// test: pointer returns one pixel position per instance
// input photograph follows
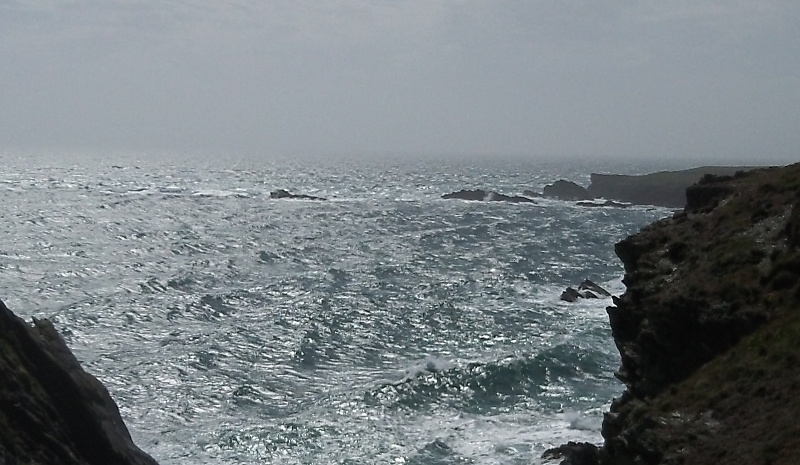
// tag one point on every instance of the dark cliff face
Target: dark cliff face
(52, 411)
(709, 329)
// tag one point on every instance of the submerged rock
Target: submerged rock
(52, 411)
(607, 203)
(284, 194)
(480, 195)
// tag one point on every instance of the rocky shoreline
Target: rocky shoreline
(709, 330)
(665, 189)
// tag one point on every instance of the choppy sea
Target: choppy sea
(385, 325)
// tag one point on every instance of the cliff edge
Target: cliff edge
(709, 329)
(51, 411)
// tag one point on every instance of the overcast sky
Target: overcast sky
(678, 78)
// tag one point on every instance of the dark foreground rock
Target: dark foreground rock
(480, 195)
(52, 412)
(566, 190)
(284, 194)
(574, 453)
(666, 188)
(708, 329)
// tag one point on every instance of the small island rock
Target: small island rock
(566, 190)
(284, 194)
(481, 195)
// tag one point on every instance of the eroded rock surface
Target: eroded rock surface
(51, 411)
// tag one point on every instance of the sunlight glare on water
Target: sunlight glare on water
(385, 325)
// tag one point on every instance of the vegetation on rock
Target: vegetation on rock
(709, 329)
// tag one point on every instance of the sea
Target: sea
(384, 325)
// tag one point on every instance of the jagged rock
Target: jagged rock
(588, 289)
(574, 453)
(284, 194)
(52, 411)
(589, 295)
(570, 295)
(486, 196)
(589, 285)
(566, 190)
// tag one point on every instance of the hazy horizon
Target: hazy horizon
(709, 81)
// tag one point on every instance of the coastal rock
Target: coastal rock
(570, 295)
(566, 190)
(532, 194)
(588, 289)
(708, 329)
(607, 203)
(481, 195)
(284, 194)
(591, 286)
(52, 411)
(574, 453)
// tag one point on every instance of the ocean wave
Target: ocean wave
(480, 386)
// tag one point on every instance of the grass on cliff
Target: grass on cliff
(751, 394)
(740, 259)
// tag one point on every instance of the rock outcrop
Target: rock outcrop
(284, 194)
(588, 289)
(481, 195)
(51, 411)
(709, 329)
(607, 203)
(566, 190)
(666, 188)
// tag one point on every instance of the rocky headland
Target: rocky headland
(665, 188)
(51, 411)
(709, 329)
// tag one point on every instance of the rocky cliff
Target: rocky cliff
(51, 411)
(709, 329)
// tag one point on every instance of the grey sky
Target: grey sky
(678, 78)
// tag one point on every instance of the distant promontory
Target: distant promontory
(665, 188)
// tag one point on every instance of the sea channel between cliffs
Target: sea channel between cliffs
(708, 332)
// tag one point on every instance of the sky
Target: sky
(533, 78)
